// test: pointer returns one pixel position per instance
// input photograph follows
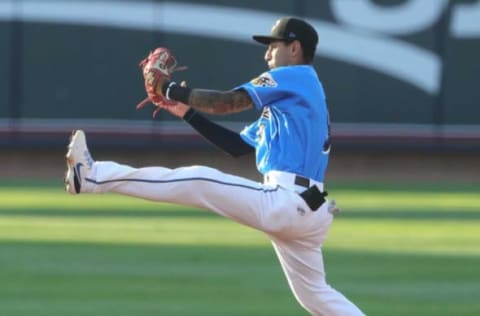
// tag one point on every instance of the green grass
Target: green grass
(394, 250)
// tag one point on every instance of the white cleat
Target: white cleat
(79, 162)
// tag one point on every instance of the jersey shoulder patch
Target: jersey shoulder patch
(264, 80)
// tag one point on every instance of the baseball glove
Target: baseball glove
(157, 67)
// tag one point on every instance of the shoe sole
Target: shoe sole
(69, 174)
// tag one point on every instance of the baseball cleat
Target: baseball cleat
(79, 162)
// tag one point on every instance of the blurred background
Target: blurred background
(402, 79)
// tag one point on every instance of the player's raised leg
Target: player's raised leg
(266, 208)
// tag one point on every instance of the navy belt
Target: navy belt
(302, 181)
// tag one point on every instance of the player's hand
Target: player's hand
(175, 108)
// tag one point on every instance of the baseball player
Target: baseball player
(291, 143)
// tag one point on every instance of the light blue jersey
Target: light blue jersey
(292, 134)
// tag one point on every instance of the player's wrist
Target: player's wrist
(173, 91)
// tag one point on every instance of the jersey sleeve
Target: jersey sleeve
(266, 88)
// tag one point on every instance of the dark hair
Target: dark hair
(308, 54)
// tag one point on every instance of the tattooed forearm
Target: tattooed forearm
(219, 102)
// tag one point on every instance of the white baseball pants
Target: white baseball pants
(296, 232)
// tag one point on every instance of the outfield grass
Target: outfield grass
(394, 250)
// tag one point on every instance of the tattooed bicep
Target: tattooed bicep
(220, 102)
(241, 100)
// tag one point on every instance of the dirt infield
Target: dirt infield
(344, 166)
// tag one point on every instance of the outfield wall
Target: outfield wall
(402, 74)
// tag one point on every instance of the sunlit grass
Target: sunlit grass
(446, 237)
(56, 198)
(450, 237)
(413, 201)
(117, 230)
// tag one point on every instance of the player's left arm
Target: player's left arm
(226, 140)
(220, 102)
(208, 101)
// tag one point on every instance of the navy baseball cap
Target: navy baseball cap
(289, 29)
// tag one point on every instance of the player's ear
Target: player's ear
(296, 50)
